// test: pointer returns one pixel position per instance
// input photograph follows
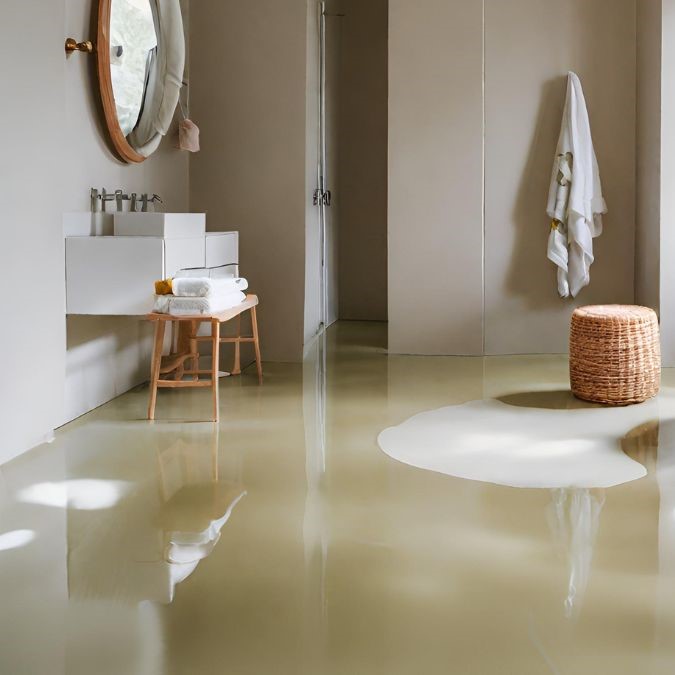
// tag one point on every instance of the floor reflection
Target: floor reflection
(316, 521)
(159, 531)
(286, 542)
(574, 518)
(653, 443)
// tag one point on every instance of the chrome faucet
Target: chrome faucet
(98, 200)
(118, 197)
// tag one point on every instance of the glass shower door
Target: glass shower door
(325, 197)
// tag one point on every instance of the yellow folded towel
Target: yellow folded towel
(164, 287)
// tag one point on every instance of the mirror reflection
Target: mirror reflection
(133, 51)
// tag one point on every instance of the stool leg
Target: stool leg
(215, 361)
(155, 367)
(236, 368)
(176, 347)
(194, 347)
(256, 344)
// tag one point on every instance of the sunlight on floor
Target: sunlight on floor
(88, 495)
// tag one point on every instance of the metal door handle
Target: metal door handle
(321, 197)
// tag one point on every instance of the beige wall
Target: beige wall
(54, 152)
(32, 116)
(362, 196)
(437, 146)
(667, 235)
(647, 249)
(106, 356)
(248, 81)
(435, 176)
(655, 262)
(529, 47)
(249, 96)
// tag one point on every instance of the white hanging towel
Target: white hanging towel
(575, 201)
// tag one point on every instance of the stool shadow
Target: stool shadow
(561, 399)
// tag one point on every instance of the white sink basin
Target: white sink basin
(160, 224)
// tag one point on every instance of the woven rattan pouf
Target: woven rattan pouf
(615, 354)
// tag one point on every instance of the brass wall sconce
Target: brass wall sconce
(73, 45)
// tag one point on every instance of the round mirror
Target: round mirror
(141, 58)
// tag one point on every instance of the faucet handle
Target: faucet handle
(119, 198)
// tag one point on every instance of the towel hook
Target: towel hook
(72, 45)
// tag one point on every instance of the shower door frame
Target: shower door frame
(323, 196)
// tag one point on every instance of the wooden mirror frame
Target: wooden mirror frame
(159, 109)
(119, 141)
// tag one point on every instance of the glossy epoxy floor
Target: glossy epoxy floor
(287, 542)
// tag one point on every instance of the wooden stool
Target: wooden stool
(188, 350)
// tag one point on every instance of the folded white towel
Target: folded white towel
(575, 196)
(177, 306)
(202, 287)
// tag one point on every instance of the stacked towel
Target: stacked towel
(199, 287)
(187, 296)
(181, 306)
(206, 288)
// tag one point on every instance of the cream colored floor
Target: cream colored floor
(335, 559)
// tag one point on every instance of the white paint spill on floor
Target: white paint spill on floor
(526, 446)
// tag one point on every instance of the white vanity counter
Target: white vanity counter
(115, 275)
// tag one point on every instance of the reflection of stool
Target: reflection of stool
(615, 354)
(188, 350)
(196, 502)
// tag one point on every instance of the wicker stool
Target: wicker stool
(615, 354)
